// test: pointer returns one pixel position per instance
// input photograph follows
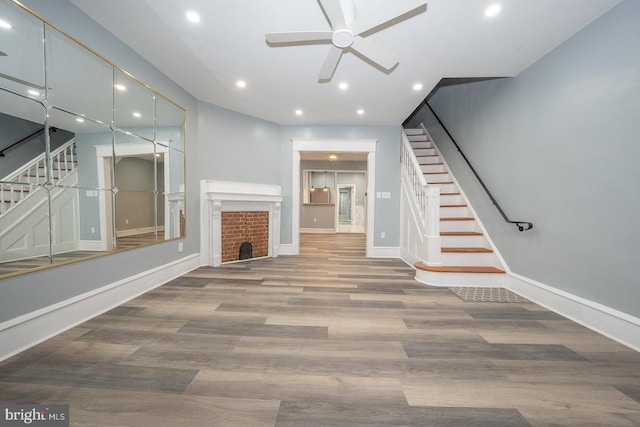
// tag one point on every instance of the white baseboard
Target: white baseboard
(92, 245)
(286, 249)
(614, 324)
(384, 252)
(21, 333)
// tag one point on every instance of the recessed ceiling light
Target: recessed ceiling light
(33, 92)
(5, 25)
(333, 157)
(193, 16)
(343, 86)
(241, 83)
(360, 112)
(79, 120)
(137, 115)
(298, 112)
(120, 87)
(492, 10)
(417, 86)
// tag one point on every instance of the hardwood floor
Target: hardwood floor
(327, 338)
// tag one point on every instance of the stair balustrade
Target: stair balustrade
(17, 186)
(427, 201)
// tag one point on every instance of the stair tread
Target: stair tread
(439, 182)
(449, 194)
(431, 164)
(428, 155)
(458, 269)
(460, 233)
(457, 218)
(466, 250)
(453, 206)
(434, 173)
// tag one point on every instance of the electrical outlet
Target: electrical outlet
(180, 247)
(93, 230)
(382, 235)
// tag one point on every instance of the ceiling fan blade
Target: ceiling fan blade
(330, 63)
(397, 10)
(374, 53)
(298, 37)
(335, 15)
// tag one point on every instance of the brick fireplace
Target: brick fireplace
(240, 227)
(233, 213)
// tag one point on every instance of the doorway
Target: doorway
(366, 148)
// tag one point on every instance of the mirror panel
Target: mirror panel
(21, 51)
(173, 194)
(24, 242)
(170, 123)
(134, 106)
(22, 140)
(74, 70)
(112, 181)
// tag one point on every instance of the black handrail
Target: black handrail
(26, 138)
(522, 225)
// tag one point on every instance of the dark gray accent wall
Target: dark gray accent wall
(558, 145)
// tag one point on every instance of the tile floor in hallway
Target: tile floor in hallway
(327, 338)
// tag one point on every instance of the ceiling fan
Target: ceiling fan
(348, 32)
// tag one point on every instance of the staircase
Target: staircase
(16, 187)
(467, 255)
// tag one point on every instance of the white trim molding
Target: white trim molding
(612, 323)
(23, 332)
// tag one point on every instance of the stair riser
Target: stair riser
(437, 177)
(415, 138)
(464, 241)
(424, 151)
(415, 131)
(451, 200)
(469, 259)
(457, 212)
(429, 160)
(445, 188)
(421, 145)
(432, 168)
(459, 226)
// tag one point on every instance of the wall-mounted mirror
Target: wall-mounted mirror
(91, 161)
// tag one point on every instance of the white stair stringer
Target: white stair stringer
(469, 258)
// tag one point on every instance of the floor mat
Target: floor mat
(487, 295)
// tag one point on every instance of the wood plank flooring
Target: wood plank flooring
(327, 338)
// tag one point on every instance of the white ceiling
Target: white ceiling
(453, 38)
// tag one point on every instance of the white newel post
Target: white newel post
(432, 238)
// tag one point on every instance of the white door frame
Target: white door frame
(336, 146)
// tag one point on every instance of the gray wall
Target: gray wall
(236, 147)
(558, 145)
(25, 293)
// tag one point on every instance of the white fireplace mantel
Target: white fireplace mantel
(228, 196)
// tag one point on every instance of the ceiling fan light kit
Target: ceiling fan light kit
(347, 32)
